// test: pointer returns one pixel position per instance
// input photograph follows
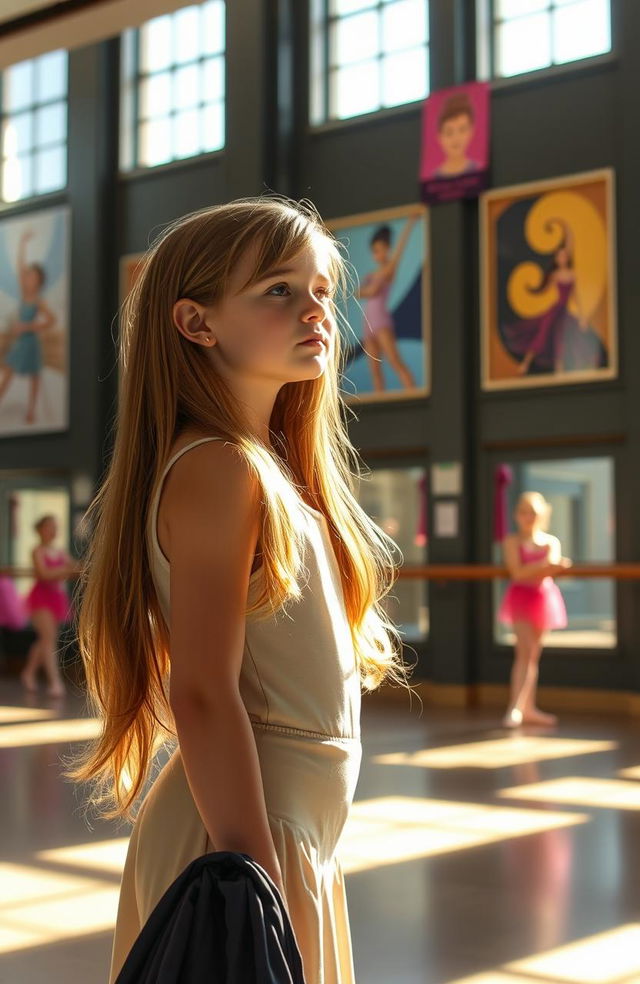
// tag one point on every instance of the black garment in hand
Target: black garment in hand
(222, 921)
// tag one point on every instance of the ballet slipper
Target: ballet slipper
(512, 719)
(28, 681)
(535, 716)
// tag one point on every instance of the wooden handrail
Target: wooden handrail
(453, 572)
(489, 572)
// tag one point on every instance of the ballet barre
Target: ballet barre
(489, 572)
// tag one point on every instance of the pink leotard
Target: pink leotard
(50, 594)
(540, 604)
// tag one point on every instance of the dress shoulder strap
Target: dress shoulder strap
(155, 502)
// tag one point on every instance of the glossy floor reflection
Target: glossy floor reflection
(473, 855)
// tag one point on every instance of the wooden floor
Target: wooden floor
(473, 855)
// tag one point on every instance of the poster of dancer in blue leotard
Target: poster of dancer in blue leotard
(34, 318)
(548, 283)
(384, 328)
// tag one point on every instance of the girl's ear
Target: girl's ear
(189, 319)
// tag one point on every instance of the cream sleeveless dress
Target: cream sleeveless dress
(301, 688)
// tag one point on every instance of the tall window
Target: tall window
(527, 35)
(34, 126)
(173, 86)
(581, 494)
(367, 55)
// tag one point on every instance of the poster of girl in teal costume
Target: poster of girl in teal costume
(34, 317)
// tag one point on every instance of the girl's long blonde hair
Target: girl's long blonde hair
(168, 385)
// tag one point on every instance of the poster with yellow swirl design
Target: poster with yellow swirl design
(548, 283)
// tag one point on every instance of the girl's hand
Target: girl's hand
(563, 564)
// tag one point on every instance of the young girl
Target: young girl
(34, 316)
(49, 606)
(379, 331)
(532, 604)
(233, 586)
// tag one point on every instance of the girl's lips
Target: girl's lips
(313, 341)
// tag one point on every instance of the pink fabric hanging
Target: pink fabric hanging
(12, 611)
(502, 479)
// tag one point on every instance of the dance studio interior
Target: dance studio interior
(474, 166)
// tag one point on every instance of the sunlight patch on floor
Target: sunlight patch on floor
(106, 855)
(12, 715)
(611, 794)
(39, 907)
(512, 750)
(49, 732)
(394, 829)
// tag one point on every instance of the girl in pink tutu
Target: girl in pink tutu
(49, 606)
(532, 604)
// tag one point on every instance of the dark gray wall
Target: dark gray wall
(578, 119)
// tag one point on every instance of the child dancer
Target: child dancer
(532, 604)
(233, 586)
(34, 316)
(379, 330)
(49, 606)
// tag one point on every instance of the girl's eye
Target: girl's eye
(324, 292)
(278, 290)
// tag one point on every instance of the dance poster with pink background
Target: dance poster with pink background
(455, 143)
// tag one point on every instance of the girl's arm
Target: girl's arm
(212, 524)
(391, 267)
(527, 572)
(44, 573)
(371, 285)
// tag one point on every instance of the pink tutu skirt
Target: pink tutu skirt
(49, 596)
(542, 605)
(13, 614)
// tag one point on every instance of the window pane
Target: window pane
(340, 7)
(187, 34)
(580, 492)
(523, 45)
(16, 178)
(17, 134)
(186, 87)
(395, 499)
(18, 86)
(51, 169)
(51, 76)
(212, 79)
(213, 127)
(155, 95)
(213, 27)
(155, 142)
(51, 124)
(507, 9)
(405, 77)
(155, 44)
(354, 39)
(404, 25)
(354, 90)
(581, 30)
(186, 134)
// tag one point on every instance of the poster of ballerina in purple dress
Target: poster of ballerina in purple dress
(548, 283)
(384, 327)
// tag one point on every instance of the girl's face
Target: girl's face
(455, 135)
(562, 257)
(49, 530)
(527, 518)
(380, 251)
(261, 330)
(32, 280)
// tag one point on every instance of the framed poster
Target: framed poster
(454, 162)
(548, 285)
(34, 322)
(387, 334)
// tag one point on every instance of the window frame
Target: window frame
(131, 79)
(322, 22)
(488, 21)
(32, 109)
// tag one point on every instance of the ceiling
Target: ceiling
(14, 9)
